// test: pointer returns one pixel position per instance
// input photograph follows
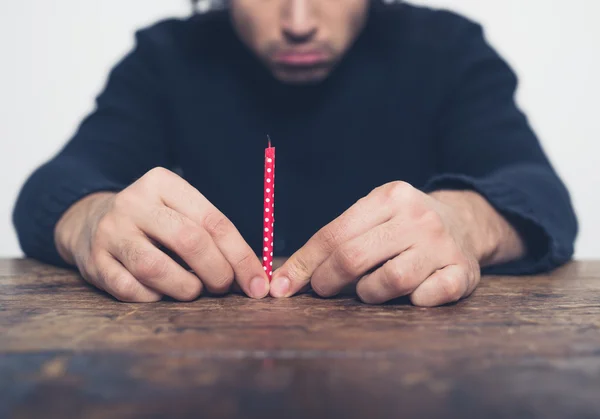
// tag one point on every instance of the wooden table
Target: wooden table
(519, 347)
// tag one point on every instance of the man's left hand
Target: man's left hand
(399, 241)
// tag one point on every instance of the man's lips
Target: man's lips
(300, 59)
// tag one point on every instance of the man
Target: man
(404, 165)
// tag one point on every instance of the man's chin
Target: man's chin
(301, 76)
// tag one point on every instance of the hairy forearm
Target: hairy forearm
(494, 240)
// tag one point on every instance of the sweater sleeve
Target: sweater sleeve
(485, 144)
(118, 142)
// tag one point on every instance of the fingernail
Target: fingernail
(280, 287)
(259, 287)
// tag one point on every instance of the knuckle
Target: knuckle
(434, 223)
(156, 174)
(152, 181)
(144, 263)
(449, 288)
(328, 238)
(123, 288)
(217, 225)
(151, 266)
(397, 192)
(244, 265)
(350, 259)
(394, 278)
(299, 268)
(128, 250)
(191, 291)
(191, 241)
(365, 199)
(246, 259)
(222, 283)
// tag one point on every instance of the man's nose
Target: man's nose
(299, 23)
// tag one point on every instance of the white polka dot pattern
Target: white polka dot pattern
(268, 213)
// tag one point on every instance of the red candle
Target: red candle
(269, 213)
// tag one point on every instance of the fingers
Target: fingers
(179, 196)
(398, 277)
(299, 268)
(155, 269)
(192, 243)
(113, 278)
(248, 269)
(353, 259)
(445, 286)
(188, 201)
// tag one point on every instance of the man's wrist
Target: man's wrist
(493, 240)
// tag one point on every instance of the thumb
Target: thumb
(295, 274)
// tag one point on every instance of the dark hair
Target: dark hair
(212, 4)
(219, 4)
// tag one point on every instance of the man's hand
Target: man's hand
(113, 238)
(399, 241)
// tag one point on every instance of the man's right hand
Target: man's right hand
(113, 238)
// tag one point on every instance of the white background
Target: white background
(55, 55)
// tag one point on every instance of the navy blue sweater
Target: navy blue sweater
(421, 97)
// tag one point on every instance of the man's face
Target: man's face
(300, 41)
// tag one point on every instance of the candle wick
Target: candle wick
(269, 140)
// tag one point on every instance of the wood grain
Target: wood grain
(519, 347)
